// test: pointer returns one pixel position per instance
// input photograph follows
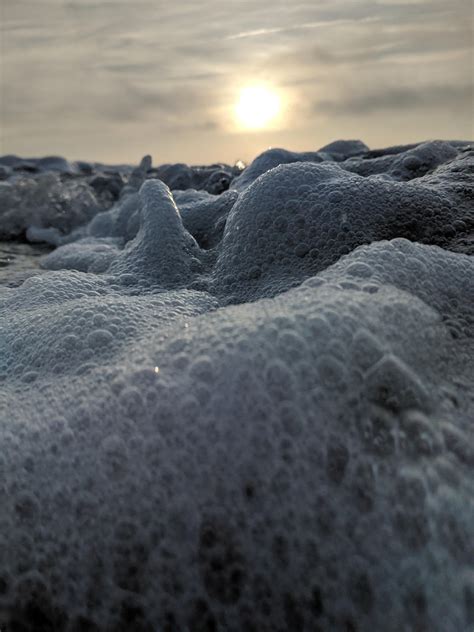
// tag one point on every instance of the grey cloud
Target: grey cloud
(392, 98)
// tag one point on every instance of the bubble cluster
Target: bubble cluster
(297, 219)
(52, 200)
(247, 411)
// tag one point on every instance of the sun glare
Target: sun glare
(257, 107)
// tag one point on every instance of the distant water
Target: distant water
(18, 261)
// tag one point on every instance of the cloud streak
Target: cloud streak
(297, 27)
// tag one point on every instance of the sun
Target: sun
(257, 107)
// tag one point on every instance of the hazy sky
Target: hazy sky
(111, 80)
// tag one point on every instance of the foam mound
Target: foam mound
(247, 411)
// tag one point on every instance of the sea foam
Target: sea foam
(247, 408)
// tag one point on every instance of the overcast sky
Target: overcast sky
(111, 80)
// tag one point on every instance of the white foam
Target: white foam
(299, 460)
